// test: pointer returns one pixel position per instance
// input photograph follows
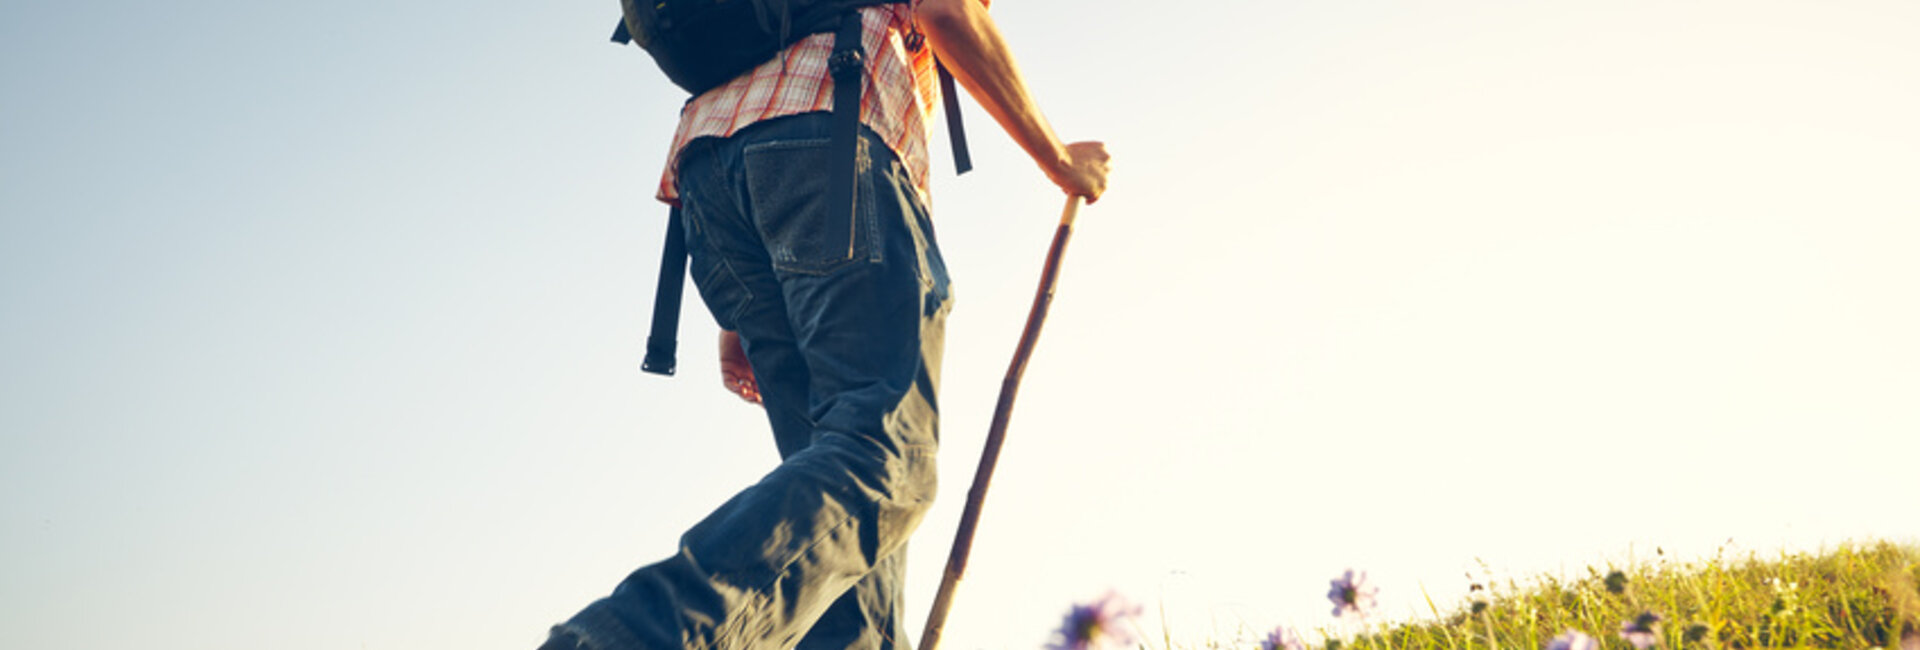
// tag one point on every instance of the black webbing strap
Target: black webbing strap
(846, 65)
(666, 299)
(956, 134)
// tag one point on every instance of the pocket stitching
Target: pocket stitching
(862, 219)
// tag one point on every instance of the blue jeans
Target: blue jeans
(843, 317)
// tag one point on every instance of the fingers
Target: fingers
(736, 374)
(744, 387)
(1090, 165)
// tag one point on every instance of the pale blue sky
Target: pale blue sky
(320, 325)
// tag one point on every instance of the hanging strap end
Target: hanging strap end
(956, 133)
(660, 356)
(666, 301)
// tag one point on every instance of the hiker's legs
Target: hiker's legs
(871, 615)
(856, 306)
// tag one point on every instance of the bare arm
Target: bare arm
(968, 41)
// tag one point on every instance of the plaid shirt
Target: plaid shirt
(900, 93)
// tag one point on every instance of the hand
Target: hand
(1083, 171)
(969, 42)
(736, 373)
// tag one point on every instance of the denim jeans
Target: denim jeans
(843, 317)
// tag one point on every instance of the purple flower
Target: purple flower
(1351, 593)
(1641, 631)
(1283, 638)
(1573, 640)
(1104, 623)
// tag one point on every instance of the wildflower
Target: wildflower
(1104, 623)
(1283, 638)
(1351, 593)
(1573, 640)
(1616, 582)
(1641, 630)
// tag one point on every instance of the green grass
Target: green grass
(1856, 597)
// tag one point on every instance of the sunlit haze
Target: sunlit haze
(320, 325)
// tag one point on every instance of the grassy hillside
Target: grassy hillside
(1855, 597)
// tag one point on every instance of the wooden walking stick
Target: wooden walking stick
(997, 432)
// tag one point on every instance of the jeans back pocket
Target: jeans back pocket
(787, 187)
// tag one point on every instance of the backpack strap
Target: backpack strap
(847, 65)
(666, 299)
(956, 134)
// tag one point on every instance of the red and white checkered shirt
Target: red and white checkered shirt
(900, 92)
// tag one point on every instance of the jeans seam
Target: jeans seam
(725, 267)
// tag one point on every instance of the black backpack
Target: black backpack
(702, 44)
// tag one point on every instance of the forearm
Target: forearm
(970, 45)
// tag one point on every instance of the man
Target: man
(834, 323)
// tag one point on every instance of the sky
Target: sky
(320, 325)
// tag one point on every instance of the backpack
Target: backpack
(702, 44)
